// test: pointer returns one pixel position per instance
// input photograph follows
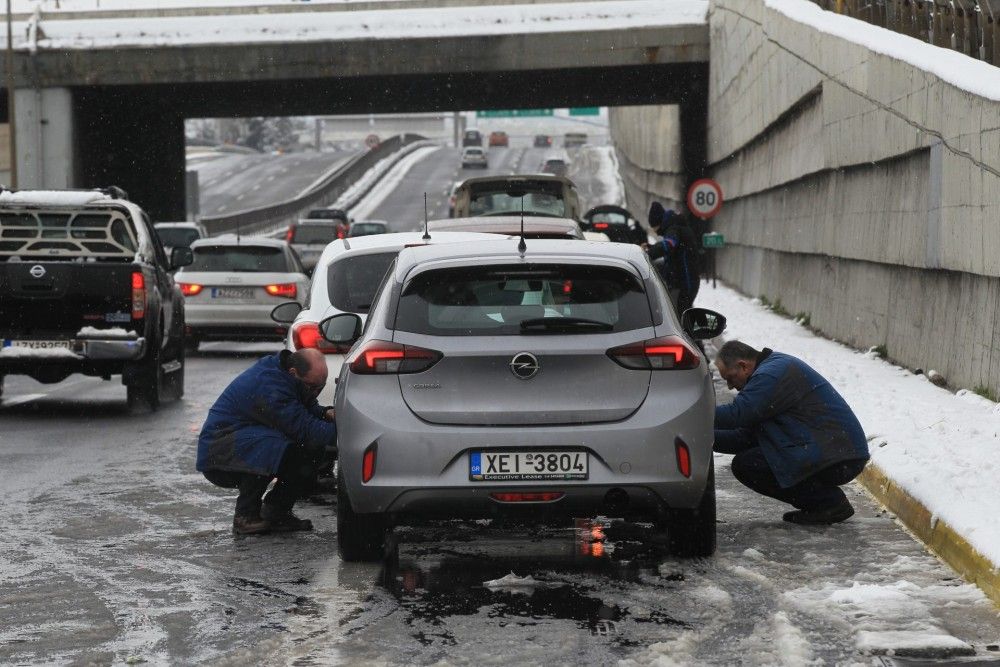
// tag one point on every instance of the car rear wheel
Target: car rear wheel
(361, 537)
(691, 533)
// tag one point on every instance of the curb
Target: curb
(939, 537)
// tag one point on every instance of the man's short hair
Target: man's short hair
(734, 351)
(300, 362)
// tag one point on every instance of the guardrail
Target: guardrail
(283, 213)
(967, 26)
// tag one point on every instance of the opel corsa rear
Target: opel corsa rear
(551, 383)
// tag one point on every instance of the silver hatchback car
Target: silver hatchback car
(557, 382)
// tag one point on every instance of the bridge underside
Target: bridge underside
(133, 135)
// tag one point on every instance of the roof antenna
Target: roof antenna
(427, 234)
(522, 247)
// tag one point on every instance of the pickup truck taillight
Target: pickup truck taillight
(190, 289)
(307, 334)
(138, 295)
(290, 235)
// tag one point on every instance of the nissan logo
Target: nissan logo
(37, 271)
(524, 366)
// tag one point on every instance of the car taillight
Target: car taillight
(138, 295)
(368, 462)
(531, 497)
(190, 289)
(683, 457)
(290, 234)
(601, 225)
(666, 353)
(307, 334)
(286, 290)
(377, 357)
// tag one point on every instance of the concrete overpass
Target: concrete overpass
(101, 97)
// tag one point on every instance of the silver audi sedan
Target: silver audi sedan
(553, 382)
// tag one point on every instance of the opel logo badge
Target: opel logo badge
(524, 366)
(37, 271)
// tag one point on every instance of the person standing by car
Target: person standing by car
(266, 424)
(794, 437)
(678, 247)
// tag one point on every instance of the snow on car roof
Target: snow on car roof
(233, 240)
(52, 197)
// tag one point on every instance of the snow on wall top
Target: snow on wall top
(601, 15)
(974, 76)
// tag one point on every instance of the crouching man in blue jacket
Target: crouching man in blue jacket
(266, 424)
(794, 437)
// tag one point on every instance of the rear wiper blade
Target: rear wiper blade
(563, 323)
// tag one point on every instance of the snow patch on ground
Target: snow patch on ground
(390, 180)
(940, 447)
(902, 642)
(609, 175)
(350, 198)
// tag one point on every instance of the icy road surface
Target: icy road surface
(115, 549)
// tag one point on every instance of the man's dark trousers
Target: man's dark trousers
(295, 475)
(818, 491)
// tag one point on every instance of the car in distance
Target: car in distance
(85, 287)
(452, 403)
(542, 141)
(308, 237)
(472, 137)
(538, 194)
(616, 222)
(555, 164)
(511, 225)
(233, 285)
(499, 138)
(474, 157)
(367, 228)
(574, 139)
(179, 234)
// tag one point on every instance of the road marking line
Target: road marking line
(18, 400)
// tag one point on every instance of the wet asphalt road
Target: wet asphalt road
(115, 550)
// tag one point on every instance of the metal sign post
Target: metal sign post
(10, 99)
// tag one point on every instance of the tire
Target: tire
(691, 533)
(361, 537)
(191, 344)
(147, 385)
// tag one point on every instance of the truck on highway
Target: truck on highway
(85, 287)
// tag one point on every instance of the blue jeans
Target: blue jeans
(819, 491)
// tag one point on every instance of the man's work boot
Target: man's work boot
(821, 517)
(283, 521)
(250, 525)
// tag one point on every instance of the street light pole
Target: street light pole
(10, 98)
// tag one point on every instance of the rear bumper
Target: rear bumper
(80, 350)
(232, 317)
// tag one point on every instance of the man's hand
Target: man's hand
(330, 415)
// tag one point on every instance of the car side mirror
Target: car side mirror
(286, 312)
(181, 256)
(702, 324)
(342, 329)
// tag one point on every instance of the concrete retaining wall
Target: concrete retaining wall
(651, 166)
(859, 189)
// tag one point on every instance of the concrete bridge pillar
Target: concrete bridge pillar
(45, 137)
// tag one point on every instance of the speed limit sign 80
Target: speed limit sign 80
(704, 198)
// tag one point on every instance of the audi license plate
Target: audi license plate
(232, 292)
(528, 466)
(39, 344)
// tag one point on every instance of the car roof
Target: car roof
(233, 240)
(506, 224)
(514, 178)
(546, 250)
(317, 222)
(398, 240)
(178, 225)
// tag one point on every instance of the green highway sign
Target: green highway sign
(513, 113)
(713, 240)
(585, 111)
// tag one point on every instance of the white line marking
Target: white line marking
(18, 400)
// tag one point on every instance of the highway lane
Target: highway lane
(238, 182)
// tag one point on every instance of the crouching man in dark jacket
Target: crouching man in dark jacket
(266, 424)
(794, 437)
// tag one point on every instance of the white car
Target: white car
(473, 156)
(233, 285)
(179, 234)
(346, 279)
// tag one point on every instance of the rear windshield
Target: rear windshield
(353, 280)
(611, 217)
(327, 214)
(544, 198)
(496, 300)
(314, 234)
(252, 259)
(366, 228)
(178, 237)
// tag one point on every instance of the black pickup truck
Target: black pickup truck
(85, 287)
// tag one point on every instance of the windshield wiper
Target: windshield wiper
(565, 323)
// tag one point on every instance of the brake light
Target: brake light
(601, 225)
(290, 234)
(531, 497)
(683, 457)
(138, 295)
(286, 290)
(377, 357)
(567, 287)
(657, 354)
(307, 334)
(190, 289)
(368, 463)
